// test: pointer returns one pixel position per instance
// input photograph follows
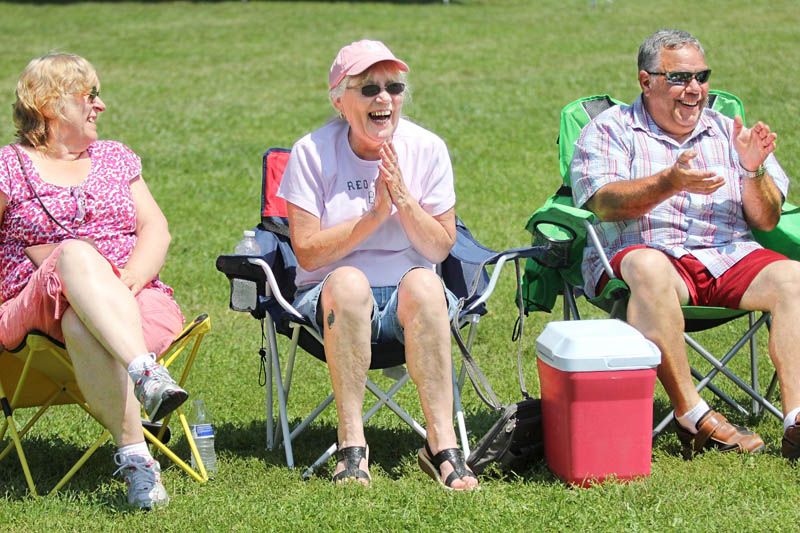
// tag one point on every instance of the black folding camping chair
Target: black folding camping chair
(464, 272)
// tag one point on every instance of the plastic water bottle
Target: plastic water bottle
(202, 427)
(244, 294)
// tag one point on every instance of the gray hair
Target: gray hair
(387, 66)
(650, 50)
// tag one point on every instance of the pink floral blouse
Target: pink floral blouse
(100, 208)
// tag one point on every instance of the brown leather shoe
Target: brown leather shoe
(715, 432)
(790, 445)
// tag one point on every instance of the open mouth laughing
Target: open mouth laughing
(381, 117)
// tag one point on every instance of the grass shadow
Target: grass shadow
(389, 446)
(49, 459)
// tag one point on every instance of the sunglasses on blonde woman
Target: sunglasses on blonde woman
(93, 94)
(372, 89)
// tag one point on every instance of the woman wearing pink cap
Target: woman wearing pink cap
(371, 211)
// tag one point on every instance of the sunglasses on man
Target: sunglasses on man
(682, 77)
(373, 89)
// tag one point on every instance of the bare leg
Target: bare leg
(657, 292)
(104, 304)
(422, 311)
(777, 289)
(346, 302)
(103, 381)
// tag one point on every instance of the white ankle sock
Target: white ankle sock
(791, 418)
(142, 362)
(140, 448)
(691, 417)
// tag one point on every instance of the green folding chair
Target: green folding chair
(542, 286)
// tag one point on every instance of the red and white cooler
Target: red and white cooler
(597, 379)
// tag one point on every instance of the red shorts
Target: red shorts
(704, 289)
(41, 304)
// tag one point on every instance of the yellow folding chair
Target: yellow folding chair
(39, 373)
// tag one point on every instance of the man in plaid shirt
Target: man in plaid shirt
(676, 188)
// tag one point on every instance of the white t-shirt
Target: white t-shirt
(326, 178)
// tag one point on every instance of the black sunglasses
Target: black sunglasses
(373, 89)
(94, 93)
(681, 77)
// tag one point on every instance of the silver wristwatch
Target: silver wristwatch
(743, 172)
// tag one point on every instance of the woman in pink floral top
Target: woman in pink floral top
(60, 186)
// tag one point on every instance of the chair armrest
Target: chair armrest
(240, 267)
(785, 238)
(255, 268)
(558, 209)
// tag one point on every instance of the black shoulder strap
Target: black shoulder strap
(33, 190)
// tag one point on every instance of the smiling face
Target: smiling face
(675, 108)
(372, 119)
(74, 127)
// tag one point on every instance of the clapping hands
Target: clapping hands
(390, 176)
(752, 144)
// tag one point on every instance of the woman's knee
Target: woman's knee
(347, 289)
(80, 257)
(421, 290)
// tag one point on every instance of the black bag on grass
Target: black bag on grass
(514, 441)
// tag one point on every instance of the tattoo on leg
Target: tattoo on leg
(330, 319)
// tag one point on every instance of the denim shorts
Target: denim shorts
(385, 325)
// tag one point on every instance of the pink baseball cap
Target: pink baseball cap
(357, 57)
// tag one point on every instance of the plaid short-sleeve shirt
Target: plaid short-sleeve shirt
(624, 143)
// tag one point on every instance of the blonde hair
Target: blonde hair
(41, 89)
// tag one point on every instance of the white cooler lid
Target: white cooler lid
(595, 345)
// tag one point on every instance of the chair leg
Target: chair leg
(287, 387)
(268, 401)
(276, 369)
(384, 398)
(85, 457)
(755, 407)
(460, 421)
(12, 431)
(772, 384)
(570, 306)
(308, 472)
(727, 399)
(310, 418)
(473, 330)
(721, 395)
(719, 366)
(201, 477)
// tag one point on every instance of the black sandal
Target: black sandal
(430, 464)
(351, 457)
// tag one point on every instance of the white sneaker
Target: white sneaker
(157, 391)
(143, 478)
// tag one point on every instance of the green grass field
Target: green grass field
(199, 90)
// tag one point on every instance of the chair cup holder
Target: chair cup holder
(554, 242)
